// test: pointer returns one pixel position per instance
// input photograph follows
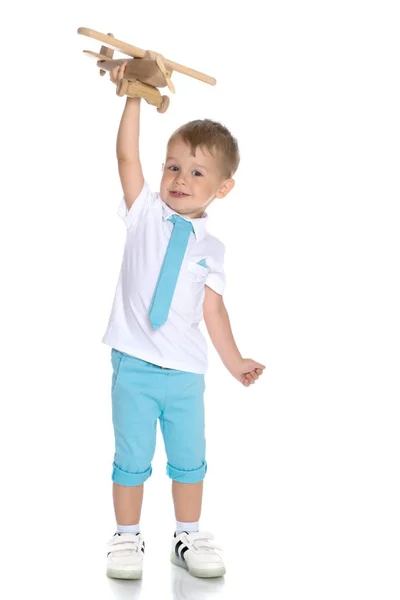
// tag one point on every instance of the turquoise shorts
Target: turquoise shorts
(142, 393)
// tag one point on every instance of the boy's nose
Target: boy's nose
(180, 179)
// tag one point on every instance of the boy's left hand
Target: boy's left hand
(248, 371)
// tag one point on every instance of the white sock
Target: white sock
(189, 527)
(128, 528)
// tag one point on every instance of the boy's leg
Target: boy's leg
(187, 501)
(136, 392)
(182, 425)
(127, 503)
(183, 429)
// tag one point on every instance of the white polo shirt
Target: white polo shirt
(179, 343)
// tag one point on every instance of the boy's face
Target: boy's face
(190, 183)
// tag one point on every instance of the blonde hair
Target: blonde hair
(216, 138)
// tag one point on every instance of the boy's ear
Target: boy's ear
(225, 187)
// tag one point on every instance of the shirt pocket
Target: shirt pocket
(197, 272)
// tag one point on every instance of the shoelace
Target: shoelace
(201, 541)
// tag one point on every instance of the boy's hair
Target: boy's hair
(215, 137)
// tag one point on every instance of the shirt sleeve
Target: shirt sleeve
(216, 279)
(145, 199)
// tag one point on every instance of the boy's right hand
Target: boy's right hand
(117, 74)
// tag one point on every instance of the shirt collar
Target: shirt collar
(199, 225)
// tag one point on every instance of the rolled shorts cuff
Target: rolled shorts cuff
(192, 476)
(129, 479)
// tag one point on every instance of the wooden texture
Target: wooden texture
(167, 74)
(143, 69)
(107, 52)
(137, 89)
(133, 51)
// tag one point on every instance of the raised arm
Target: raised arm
(129, 165)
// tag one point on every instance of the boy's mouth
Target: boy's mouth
(178, 194)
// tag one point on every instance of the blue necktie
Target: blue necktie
(171, 266)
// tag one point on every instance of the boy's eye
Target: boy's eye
(197, 174)
(173, 168)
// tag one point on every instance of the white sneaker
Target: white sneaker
(125, 556)
(196, 553)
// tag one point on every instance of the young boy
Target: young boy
(171, 277)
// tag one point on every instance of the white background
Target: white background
(303, 483)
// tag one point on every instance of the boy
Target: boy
(171, 277)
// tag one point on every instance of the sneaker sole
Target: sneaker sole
(219, 572)
(124, 574)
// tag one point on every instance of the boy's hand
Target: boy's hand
(118, 73)
(248, 371)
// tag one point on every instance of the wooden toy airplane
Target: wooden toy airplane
(145, 72)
